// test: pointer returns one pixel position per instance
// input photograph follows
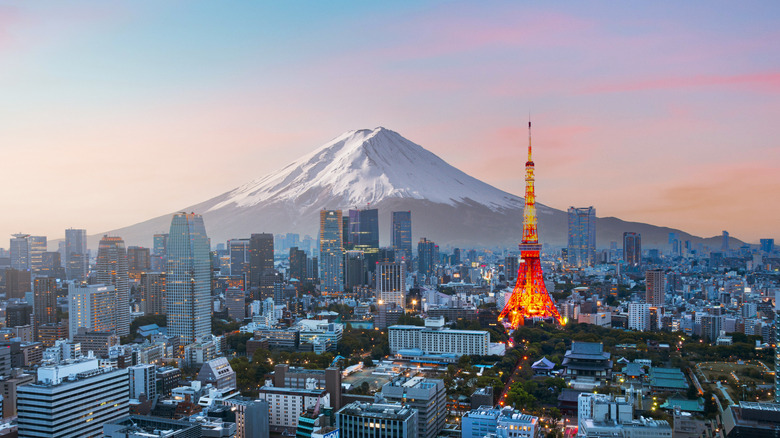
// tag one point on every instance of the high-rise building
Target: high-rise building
(18, 315)
(427, 257)
(139, 260)
(160, 252)
(152, 288)
(188, 281)
(364, 234)
(391, 283)
(582, 237)
(74, 399)
(724, 245)
(239, 253)
(92, 307)
(297, 264)
(261, 262)
(355, 269)
(20, 252)
(235, 302)
(44, 301)
(38, 246)
(639, 316)
(402, 235)
(143, 380)
(767, 245)
(112, 270)
(655, 282)
(17, 283)
(632, 248)
(331, 259)
(76, 258)
(511, 265)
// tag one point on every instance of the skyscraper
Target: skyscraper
(632, 248)
(402, 234)
(261, 261)
(427, 257)
(238, 251)
(582, 236)
(725, 241)
(655, 283)
(20, 251)
(188, 279)
(152, 287)
(331, 252)
(38, 246)
(92, 307)
(767, 245)
(364, 234)
(112, 270)
(76, 262)
(297, 264)
(45, 302)
(391, 283)
(160, 252)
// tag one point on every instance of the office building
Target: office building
(20, 252)
(767, 245)
(285, 405)
(18, 315)
(152, 293)
(297, 265)
(601, 415)
(76, 257)
(98, 342)
(143, 380)
(144, 426)
(377, 420)
(434, 339)
(74, 399)
(331, 260)
(581, 249)
(251, 416)
(92, 307)
(402, 235)
(44, 302)
(632, 248)
(355, 269)
(239, 254)
(427, 396)
(17, 283)
(188, 281)
(9, 387)
(364, 234)
(235, 302)
(655, 283)
(387, 314)
(112, 271)
(160, 252)
(511, 266)
(37, 246)
(139, 261)
(261, 261)
(724, 245)
(391, 283)
(219, 374)
(427, 257)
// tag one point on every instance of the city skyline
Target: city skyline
(670, 106)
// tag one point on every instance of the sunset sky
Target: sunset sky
(660, 112)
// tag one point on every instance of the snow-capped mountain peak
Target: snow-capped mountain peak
(364, 167)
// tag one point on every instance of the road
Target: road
(724, 392)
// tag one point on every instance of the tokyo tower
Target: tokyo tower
(529, 298)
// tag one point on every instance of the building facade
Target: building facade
(112, 270)
(331, 261)
(582, 237)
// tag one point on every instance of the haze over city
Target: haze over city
(664, 113)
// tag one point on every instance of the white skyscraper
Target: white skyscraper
(92, 307)
(188, 293)
(112, 270)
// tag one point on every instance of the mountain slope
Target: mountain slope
(381, 169)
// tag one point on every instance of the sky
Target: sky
(660, 112)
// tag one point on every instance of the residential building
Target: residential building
(655, 283)
(112, 270)
(391, 283)
(286, 405)
(639, 316)
(142, 380)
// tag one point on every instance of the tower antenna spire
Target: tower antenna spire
(529, 136)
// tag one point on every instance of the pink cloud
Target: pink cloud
(758, 82)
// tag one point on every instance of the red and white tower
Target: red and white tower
(529, 298)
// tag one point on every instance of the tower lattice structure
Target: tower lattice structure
(529, 297)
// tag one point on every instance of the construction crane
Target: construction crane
(336, 360)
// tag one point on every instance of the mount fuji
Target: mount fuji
(380, 169)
